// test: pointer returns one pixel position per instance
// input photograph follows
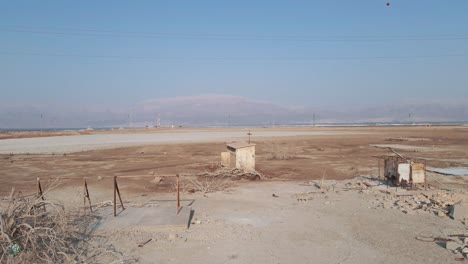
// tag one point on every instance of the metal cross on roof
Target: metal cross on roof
(249, 134)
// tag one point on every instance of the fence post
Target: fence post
(86, 195)
(178, 194)
(39, 192)
(115, 196)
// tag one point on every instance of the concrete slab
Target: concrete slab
(450, 171)
(145, 217)
(459, 210)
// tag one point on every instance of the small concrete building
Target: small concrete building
(240, 155)
(403, 171)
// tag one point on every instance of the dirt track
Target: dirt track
(79, 143)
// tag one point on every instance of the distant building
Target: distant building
(240, 155)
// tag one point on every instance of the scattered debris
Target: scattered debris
(452, 245)
(274, 195)
(439, 202)
(144, 243)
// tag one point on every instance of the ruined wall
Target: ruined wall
(225, 159)
(245, 158)
(418, 172)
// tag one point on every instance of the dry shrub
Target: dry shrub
(208, 184)
(37, 231)
(219, 180)
(278, 152)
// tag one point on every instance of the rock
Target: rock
(452, 245)
(173, 236)
(157, 180)
(459, 211)
(440, 213)
(99, 178)
(196, 222)
(465, 250)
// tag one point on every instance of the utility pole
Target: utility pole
(249, 134)
(42, 122)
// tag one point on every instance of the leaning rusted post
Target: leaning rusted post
(86, 195)
(115, 196)
(40, 193)
(178, 194)
(118, 193)
(378, 161)
(425, 176)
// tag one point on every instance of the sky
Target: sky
(330, 53)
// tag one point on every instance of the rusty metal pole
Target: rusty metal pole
(178, 194)
(425, 176)
(378, 161)
(40, 193)
(115, 196)
(118, 193)
(38, 188)
(86, 195)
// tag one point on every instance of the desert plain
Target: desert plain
(321, 197)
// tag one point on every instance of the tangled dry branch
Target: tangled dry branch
(36, 231)
(219, 180)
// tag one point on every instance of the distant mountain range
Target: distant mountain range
(221, 110)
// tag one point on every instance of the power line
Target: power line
(212, 36)
(225, 35)
(226, 59)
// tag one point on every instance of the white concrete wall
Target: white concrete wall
(418, 173)
(245, 158)
(225, 159)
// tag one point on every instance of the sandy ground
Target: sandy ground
(245, 223)
(338, 153)
(302, 225)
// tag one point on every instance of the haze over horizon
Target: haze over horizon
(78, 64)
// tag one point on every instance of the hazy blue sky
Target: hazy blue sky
(320, 53)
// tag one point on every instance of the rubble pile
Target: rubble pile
(458, 245)
(439, 202)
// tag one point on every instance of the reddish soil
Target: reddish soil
(285, 158)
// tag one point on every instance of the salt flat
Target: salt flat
(76, 143)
